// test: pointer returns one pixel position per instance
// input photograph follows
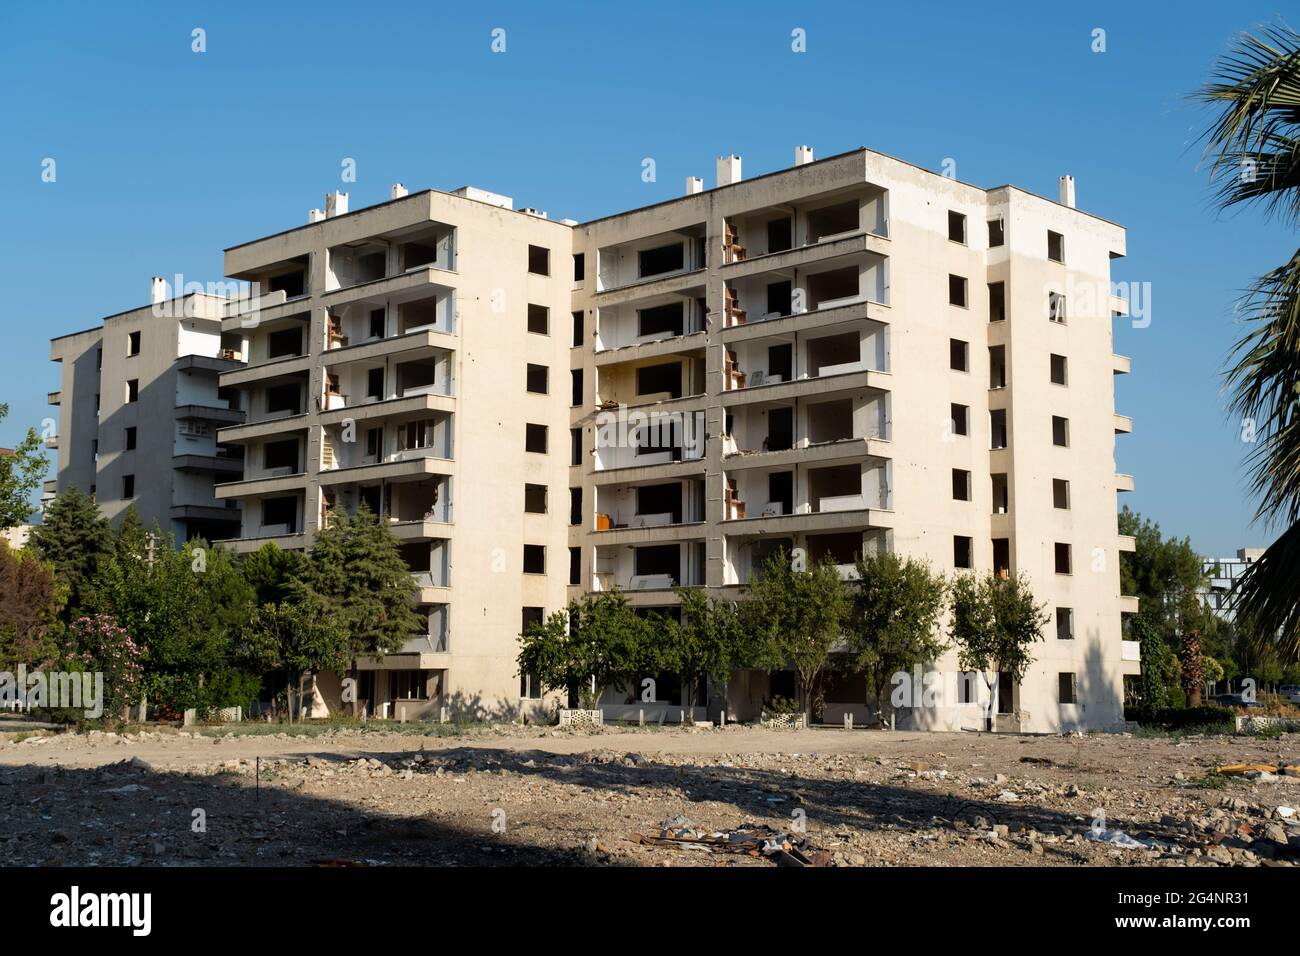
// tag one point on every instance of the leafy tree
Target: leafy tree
(597, 639)
(296, 637)
(356, 568)
(184, 608)
(704, 644)
(1159, 684)
(995, 623)
(29, 610)
(799, 612)
(77, 540)
(1253, 148)
(21, 474)
(893, 625)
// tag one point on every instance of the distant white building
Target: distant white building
(1224, 573)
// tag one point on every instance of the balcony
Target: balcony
(657, 265)
(811, 223)
(1124, 483)
(54, 398)
(648, 511)
(744, 557)
(390, 263)
(652, 567)
(807, 498)
(840, 429)
(651, 325)
(219, 464)
(669, 442)
(1123, 424)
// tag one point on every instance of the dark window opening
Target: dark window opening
(575, 506)
(284, 398)
(1064, 624)
(779, 298)
(133, 343)
(1065, 684)
(1055, 246)
(128, 486)
(960, 485)
(575, 446)
(780, 429)
(653, 262)
(958, 355)
(575, 565)
(997, 301)
(577, 329)
(658, 559)
(133, 390)
(960, 415)
(1058, 370)
(660, 499)
(535, 499)
(997, 234)
(957, 290)
(579, 266)
(956, 227)
(659, 319)
(779, 235)
(962, 552)
(281, 511)
(654, 379)
(539, 260)
(538, 378)
(378, 323)
(535, 438)
(534, 559)
(1060, 431)
(780, 362)
(281, 454)
(576, 375)
(130, 438)
(284, 342)
(1062, 554)
(539, 319)
(1060, 494)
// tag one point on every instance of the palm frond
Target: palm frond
(1265, 599)
(1252, 146)
(1264, 376)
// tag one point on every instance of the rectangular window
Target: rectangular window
(653, 262)
(958, 355)
(535, 438)
(284, 454)
(378, 323)
(575, 506)
(1056, 307)
(998, 433)
(997, 235)
(579, 266)
(962, 552)
(960, 485)
(130, 438)
(997, 301)
(534, 559)
(1060, 494)
(535, 499)
(779, 235)
(577, 330)
(133, 390)
(1065, 684)
(128, 486)
(539, 319)
(1058, 370)
(960, 419)
(539, 260)
(283, 343)
(575, 565)
(1062, 552)
(576, 399)
(957, 291)
(575, 446)
(133, 343)
(656, 379)
(375, 383)
(956, 227)
(1064, 624)
(1055, 246)
(538, 379)
(1060, 431)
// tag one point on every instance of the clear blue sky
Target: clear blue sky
(165, 156)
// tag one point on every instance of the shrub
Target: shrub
(1175, 718)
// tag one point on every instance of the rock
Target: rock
(999, 778)
(1008, 796)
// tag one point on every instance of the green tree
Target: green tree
(184, 608)
(21, 474)
(29, 610)
(271, 572)
(77, 540)
(799, 611)
(295, 637)
(893, 625)
(704, 644)
(995, 623)
(1253, 149)
(597, 639)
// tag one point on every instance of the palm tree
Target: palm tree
(1253, 148)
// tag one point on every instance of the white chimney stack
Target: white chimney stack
(158, 290)
(315, 215)
(694, 184)
(1067, 191)
(803, 155)
(336, 204)
(728, 170)
(398, 191)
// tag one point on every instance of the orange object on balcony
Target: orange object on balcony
(603, 522)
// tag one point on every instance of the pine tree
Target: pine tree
(356, 569)
(77, 540)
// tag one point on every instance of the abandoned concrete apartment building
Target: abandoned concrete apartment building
(847, 355)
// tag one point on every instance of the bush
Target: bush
(1181, 718)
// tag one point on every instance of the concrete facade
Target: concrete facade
(139, 407)
(848, 355)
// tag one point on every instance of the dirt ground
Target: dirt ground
(532, 796)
